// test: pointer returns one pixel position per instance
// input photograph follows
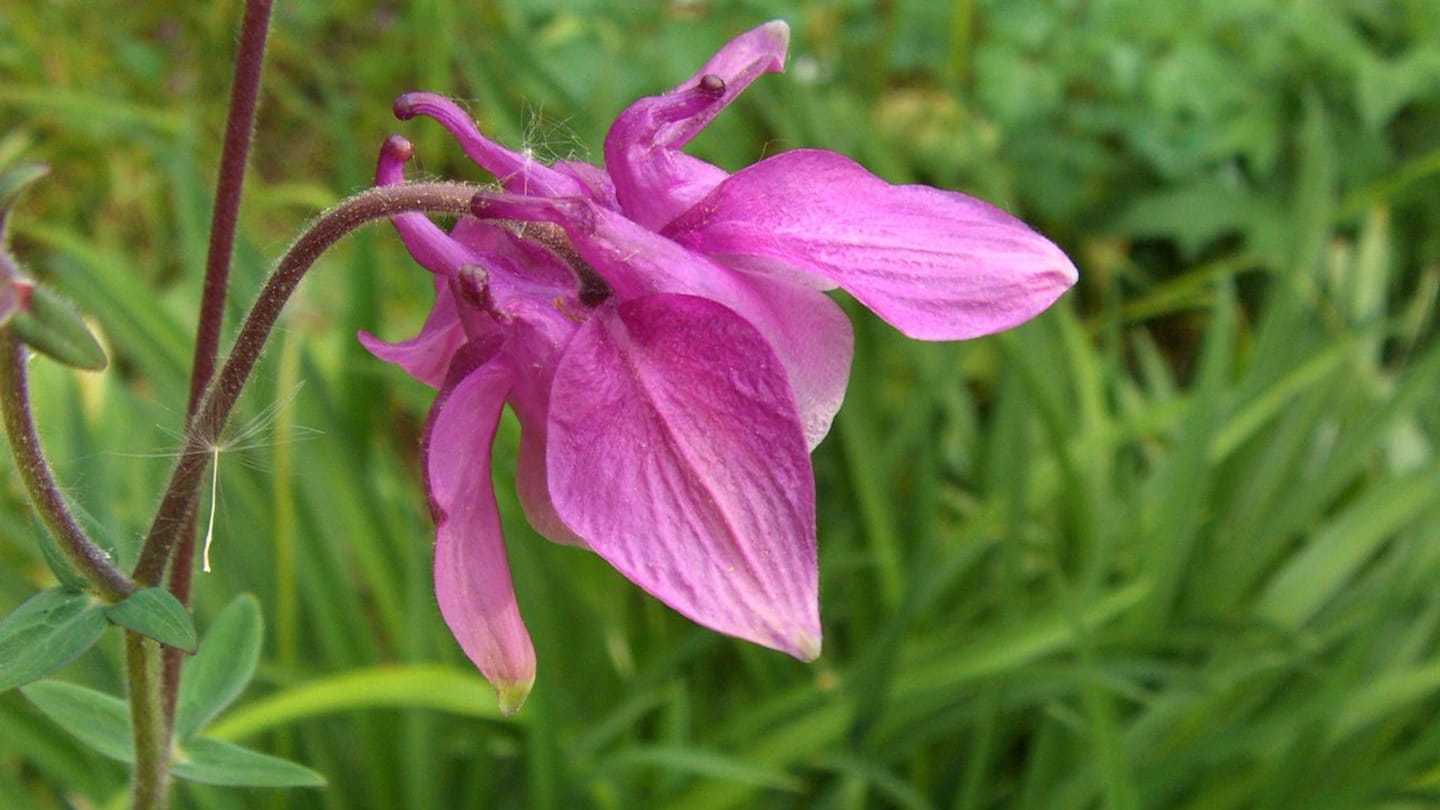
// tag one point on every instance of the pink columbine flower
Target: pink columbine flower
(660, 329)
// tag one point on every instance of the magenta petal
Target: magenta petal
(472, 574)
(937, 265)
(537, 349)
(654, 181)
(426, 357)
(597, 183)
(740, 62)
(807, 330)
(675, 450)
(426, 242)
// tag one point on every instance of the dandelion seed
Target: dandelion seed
(214, 494)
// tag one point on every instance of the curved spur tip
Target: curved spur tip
(398, 147)
(404, 107)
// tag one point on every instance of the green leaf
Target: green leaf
(222, 666)
(13, 182)
(154, 612)
(53, 327)
(46, 632)
(418, 686)
(99, 720)
(1339, 550)
(707, 764)
(70, 580)
(215, 762)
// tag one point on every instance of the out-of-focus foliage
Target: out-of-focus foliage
(1175, 544)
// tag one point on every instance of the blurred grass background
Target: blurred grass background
(1176, 544)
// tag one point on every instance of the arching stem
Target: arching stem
(82, 552)
(220, 396)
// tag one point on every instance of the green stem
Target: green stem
(151, 776)
(83, 553)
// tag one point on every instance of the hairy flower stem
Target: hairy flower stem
(88, 558)
(224, 390)
(150, 785)
(239, 129)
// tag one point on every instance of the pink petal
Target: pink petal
(807, 330)
(431, 248)
(472, 574)
(426, 357)
(675, 450)
(536, 294)
(520, 269)
(537, 350)
(937, 265)
(654, 181)
(598, 185)
(739, 62)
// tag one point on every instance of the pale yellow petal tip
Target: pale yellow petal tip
(807, 649)
(512, 695)
(779, 30)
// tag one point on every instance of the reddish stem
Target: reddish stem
(234, 155)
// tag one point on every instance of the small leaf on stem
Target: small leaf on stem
(222, 666)
(47, 631)
(156, 613)
(99, 720)
(214, 762)
(70, 579)
(51, 326)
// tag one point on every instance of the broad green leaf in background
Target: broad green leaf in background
(428, 686)
(13, 182)
(99, 720)
(46, 632)
(215, 762)
(222, 666)
(156, 613)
